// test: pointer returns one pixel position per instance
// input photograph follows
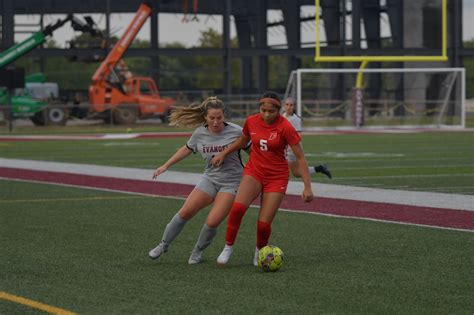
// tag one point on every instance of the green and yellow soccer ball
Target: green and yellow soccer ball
(270, 258)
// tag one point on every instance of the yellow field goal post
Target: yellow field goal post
(425, 96)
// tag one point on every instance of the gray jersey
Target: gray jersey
(295, 120)
(202, 141)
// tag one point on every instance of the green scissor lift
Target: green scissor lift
(25, 106)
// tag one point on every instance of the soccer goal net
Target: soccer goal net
(397, 97)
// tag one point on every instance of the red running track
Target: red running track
(436, 217)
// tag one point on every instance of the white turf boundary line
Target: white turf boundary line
(376, 220)
(410, 198)
(256, 207)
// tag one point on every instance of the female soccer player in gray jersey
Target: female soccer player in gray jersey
(218, 185)
(295, 120)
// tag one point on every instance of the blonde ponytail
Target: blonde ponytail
(194, 115)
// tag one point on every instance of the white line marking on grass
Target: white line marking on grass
(355, 154)
(118, 144)
(405, 160)
(251, 206)
(90, 188)
(440, 188)
(410, 198)
(376, 220)
(406, 176)
(101, 170)
(120, 136)
(112, 136)
(400, 167)
(65, 199)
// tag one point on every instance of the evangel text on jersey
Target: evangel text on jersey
(213, 148)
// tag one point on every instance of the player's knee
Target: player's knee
(186, 214)
(238, 210)
(213, 222)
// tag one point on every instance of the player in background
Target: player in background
(218, 184)
(295, 120)
(266, 171)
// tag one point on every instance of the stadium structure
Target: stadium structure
(429, 31)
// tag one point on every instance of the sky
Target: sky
(189, 32)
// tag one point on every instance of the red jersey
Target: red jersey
(267, 157)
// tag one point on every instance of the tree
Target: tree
(210, 73)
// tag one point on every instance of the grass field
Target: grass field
(436, 161)
(85, 250)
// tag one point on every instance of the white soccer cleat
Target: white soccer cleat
(156, 252)
(255, 258)
(196, 257)
(225, 255)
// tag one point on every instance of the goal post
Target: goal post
(386, 97)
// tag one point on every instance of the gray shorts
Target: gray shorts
(290, 156)
(210, 188)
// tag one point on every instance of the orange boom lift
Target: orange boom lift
(115, 93)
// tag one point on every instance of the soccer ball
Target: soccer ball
(270, 258)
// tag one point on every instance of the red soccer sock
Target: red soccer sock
(264, 230)
(233, 222)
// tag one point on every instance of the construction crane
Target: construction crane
(115, 93)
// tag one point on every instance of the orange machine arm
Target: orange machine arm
(144, 11)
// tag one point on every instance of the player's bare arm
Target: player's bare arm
(238, 144)
(182, 153)
(307, 194)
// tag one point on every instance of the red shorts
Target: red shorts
(269, 185)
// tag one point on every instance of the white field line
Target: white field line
(380, 129)
(452, 189)
(400, 166)
(251, 206)
(376, 220)
(306, 131)
(89, 187)
(412, 198)
(114, 136)
(421, 163)
(407, 176)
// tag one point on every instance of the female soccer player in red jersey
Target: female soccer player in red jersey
(266, 171)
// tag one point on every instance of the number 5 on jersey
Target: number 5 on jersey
(263, 145)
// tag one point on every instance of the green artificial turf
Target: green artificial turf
(86, 251)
